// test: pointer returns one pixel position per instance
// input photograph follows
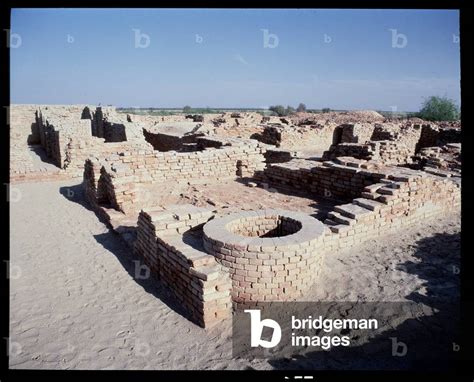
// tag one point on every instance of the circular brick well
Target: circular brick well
(272, 255)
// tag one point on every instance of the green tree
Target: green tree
(326, 110)
(187, 109)
(290, 110)
(278, 110)
(439, 109)
(301, 107)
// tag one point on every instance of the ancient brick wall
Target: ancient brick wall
(398, 142)
(389, 143)
(272, 255)
(449, 135)
(29, 126)
(194, 277)
(356, 150)
(403, 198)
(213, 163)
(269, 261)
(99, 117)
(168, 142)
(357, 132)
(128, 170)
(68, 140)
(56, 135)
(315, 137)
(328, 179)
(276, 155)
(443, 161)
(114, 132)
(429, 136)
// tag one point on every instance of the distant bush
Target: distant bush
(160, 113)
(326, 110)
(281, 111)
(439, 109)
(147, 111)
(198, 110)
(301, 107)
(278, 110)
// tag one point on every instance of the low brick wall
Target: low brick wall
(314, 137)
(129, 170)
(356, 133)
(56, 136)
(390, 144)
(194, 277)
(249, 257)
(281, 266)
(386, 152)
(338, 179)
(168, 142)
(271, 254)
(429, 136)
(394, 152)
(68, 140)
(404, 197)
(279, 155)
(449, 135)
(355, 150)
(444, 161)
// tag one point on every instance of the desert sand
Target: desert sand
(79, 299)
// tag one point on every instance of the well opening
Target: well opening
(264, 226)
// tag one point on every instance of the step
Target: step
(371, 196)
(387, 191)
(330, 222)
(341, 219)
(339, 228)
(352, 211)
(371, 205)
(373, 188)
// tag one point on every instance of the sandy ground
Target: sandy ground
(230, 196)
(81, 300)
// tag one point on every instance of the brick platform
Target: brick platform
(167, 244)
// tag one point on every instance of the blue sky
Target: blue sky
(342, 59)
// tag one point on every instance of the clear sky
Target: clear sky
(341, 59)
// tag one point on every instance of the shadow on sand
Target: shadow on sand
(431, 340)
(132, 263)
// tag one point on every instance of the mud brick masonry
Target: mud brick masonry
(197, 281)
(272, 255)
(275, 255)
(121, 178)
(378, 175)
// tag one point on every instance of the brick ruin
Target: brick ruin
(378, 176)
(123, 180)
(388, 143)
(69, 135)
(271, 255)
